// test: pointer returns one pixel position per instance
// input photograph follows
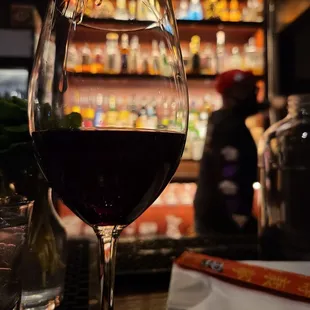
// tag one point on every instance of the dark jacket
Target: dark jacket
(228, 171)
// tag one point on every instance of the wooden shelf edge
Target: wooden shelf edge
(144, 76)
(180, 22)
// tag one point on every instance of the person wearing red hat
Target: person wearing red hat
(223, 201)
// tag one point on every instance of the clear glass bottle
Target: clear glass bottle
(98, 66)
(121, 12)
(132, 8)
(220, 51)
(153, 10)
(113, 57)
(253, 57)
(44, 260)
(236, 61)
(164, 65)
(208, 60)
(124, 52)
(141, 10)
(195, 10)
(99, 113)
(194, 47)
(133, 110)
(234, 11)
(284, 154)
(112, 114)
(249, 13)
(73, 58)
(182, 11)
(134, 54)
(259, 10)
(155, 64)
(86, 58)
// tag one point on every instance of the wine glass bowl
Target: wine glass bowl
(108, 114)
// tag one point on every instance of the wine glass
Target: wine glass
(108, 113)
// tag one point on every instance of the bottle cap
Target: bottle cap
(112, 36)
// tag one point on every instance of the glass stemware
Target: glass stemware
(108, 113)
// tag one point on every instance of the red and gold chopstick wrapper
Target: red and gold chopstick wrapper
(284, 283)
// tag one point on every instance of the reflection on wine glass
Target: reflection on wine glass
(106, 157)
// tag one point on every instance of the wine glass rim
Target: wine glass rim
(135, 28)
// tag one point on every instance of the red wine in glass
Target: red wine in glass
(108, 177)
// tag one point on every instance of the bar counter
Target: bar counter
(143, 269)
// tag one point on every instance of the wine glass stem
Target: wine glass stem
(108, 236)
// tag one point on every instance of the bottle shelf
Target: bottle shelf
(126, 76)
(181, 22)
(236, 32)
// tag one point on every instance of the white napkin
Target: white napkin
(192, 290)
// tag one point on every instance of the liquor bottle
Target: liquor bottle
(134, 55)
(220, 51)
(211, 9)
(153, 11)
(195, 10)
(208, 60)
(284, 178)
(124, 52)
(163, 64)
(121, 12)
(133, 112)
(104, 10)
(99, 114)
(90, 8)
(141, 10)
(152, 120)
(73, 59)
(259, 6)
(235, 13)
(142, 118)
(144, 68)
(182, 11)
(165, 114)
(236, 61)
(249, 13)
(155, 65)
(86, 58)
(253, 57)
(112, 113)
(186, 59)
(88, 116)
(193, 114)
(132, 8)
(98, 66)
(223, 11)
(194, 47)
(204, 113)
(123, 119)
(113, 57)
